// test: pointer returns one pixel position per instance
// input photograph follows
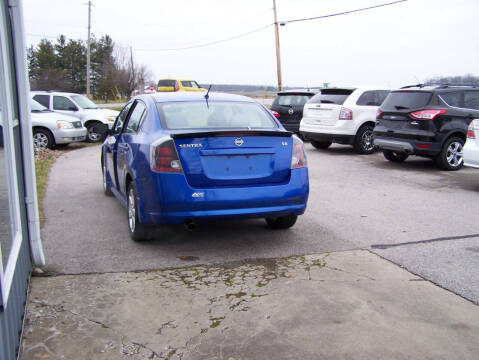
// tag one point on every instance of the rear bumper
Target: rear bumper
(176, 201)
(337, 138)
(471, 154)
(414, 147)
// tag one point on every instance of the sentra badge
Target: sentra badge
(185, 146)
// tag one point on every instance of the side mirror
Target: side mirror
(72, 108)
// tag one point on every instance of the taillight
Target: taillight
(275, 113)
(470, 133)
(345, 114)
(163, 156)
(429, 114)
(298, 156)
(378, 113)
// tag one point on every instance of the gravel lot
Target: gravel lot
(355, 202)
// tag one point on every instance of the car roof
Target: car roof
(176, 79)
(50, 92)
(435, 87)
(298, 91)
(194, 96)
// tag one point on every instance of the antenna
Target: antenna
(208, 92)
(207, 95)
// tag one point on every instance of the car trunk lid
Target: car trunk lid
(234, 158)
(325, 108)
(396, 110)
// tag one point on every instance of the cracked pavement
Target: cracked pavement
(342, 305)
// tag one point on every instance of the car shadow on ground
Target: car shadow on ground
(336, 150)
(413, 163)
(226, 233)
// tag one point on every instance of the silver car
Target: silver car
(80, 107)
(51, 128)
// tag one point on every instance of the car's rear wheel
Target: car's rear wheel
(283, 222)
(450, 157)
(395, 156)
(92, 135)
(363, 142)
(106, 188)
(137, 231)
(43, 139)
(321, 144)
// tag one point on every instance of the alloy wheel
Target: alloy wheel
(104, 178)
(92, 135)
(131, 210)
(454, 154)
(40, 140)
(367, 140)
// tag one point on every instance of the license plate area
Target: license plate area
(236, 167)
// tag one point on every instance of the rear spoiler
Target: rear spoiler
(192, 134)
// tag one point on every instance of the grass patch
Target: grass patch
(43, 162)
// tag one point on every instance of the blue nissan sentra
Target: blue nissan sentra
(186, 157)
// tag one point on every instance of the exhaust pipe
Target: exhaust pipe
(190, 225)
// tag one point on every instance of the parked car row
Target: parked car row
(427, 121)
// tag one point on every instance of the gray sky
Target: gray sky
(395, 45)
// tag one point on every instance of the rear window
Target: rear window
(166, 83)
(214, 115)
(291, 99)
(191, 84)
(405, 100)
(331, 96)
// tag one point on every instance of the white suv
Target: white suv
(80, 107)
(343, 115)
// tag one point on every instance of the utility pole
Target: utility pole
(278, 56)
(88, 52)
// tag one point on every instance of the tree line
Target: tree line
(456, 80)
(61, 66)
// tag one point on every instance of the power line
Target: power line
(282, 23)
(209, 43)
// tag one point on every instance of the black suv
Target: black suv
(288, 107)
(429, 121)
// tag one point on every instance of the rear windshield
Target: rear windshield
(191, 84)
(406, 100)
(214, 115)
(291, 99)
(166, 83)
(331, 96)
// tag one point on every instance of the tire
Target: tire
(106, 189)
(450, 157)
(43, 139)
(363, 141)
(283, 222)
(91, 135)
(321, 144)
(395, 156)
(137, 231)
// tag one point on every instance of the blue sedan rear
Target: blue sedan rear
(185, 157)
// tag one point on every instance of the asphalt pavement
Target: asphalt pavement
(356, 202)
